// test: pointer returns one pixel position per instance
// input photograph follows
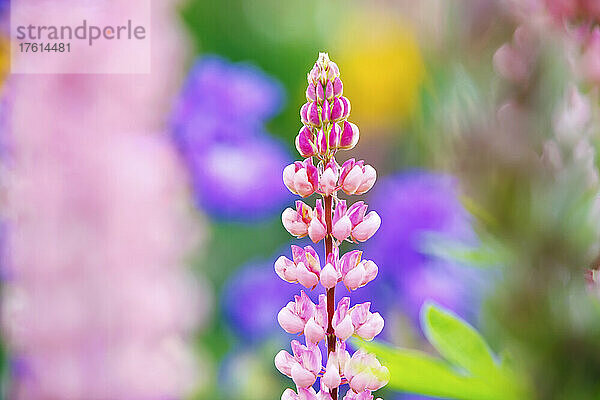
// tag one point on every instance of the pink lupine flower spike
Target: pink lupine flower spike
(325, 131)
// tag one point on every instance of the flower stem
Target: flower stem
(328, 200)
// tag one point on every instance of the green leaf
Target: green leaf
(457, 341)
(418, 372)
(467, 372)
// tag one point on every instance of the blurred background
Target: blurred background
(141, 215)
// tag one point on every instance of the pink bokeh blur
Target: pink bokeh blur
(97, 300)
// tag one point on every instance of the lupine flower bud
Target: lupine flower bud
(341, 356)
(313, 75)
(342, 226)
(286, 269)
(305, 142)
(334, 137)
(304, 373)
(316, 228)
(329, 90)
(321, 142)
(338, 87)
(333, 71)
(316, 326)
(307, 264)
(350, 135)
(331, 378)
(304, 113)
(301, 178)
(292, 221)
(337, 110)
(284, 362)
(353, 222)
(367, 325)
(320, 93)
(305, 267)
(311, 94)
(350, 270)
(306, 277)
(347, 107)
(323, 62)
(357, 178)
(342, 321)
(296, 221)
(303, 366)
(302, 376)
(329, 178)
(295, 314)
(367, 228)
(356, 212)
(364, 372)
(314, 332)
(329, 276)
(313, 114)
(356, 273)
(326, 113)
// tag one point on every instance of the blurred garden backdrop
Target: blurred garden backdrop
(480, 117)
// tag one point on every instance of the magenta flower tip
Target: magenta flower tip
(325, 109)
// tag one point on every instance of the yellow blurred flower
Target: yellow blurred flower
(382, 69)
(4, 59)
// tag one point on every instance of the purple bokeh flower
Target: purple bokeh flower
(257, 281)
(240, 92)
(414, 204)
(218, 124)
